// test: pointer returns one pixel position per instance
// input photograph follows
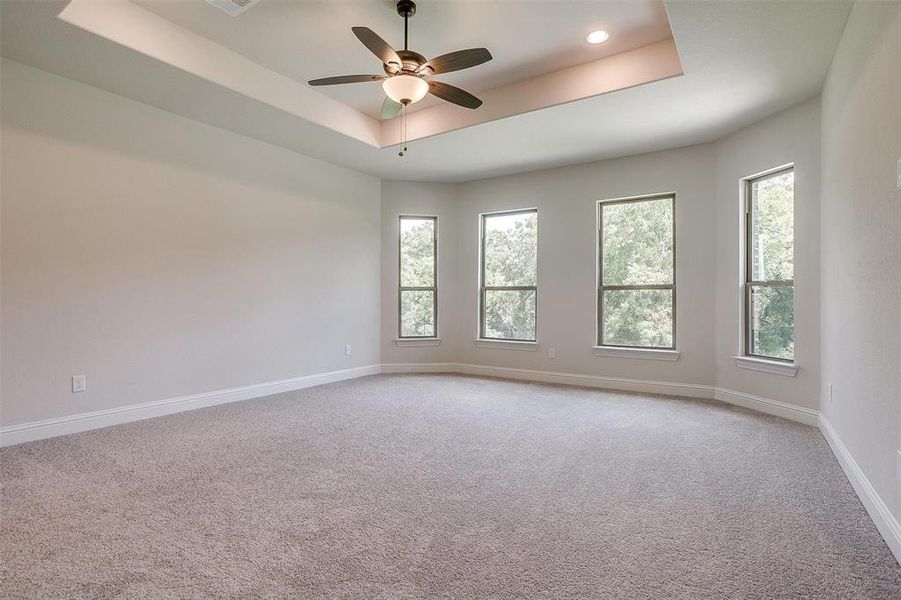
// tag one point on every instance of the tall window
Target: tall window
(418, 279)
(509, 275)
(637, 274)
(769, 255)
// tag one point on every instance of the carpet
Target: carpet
(440, 486)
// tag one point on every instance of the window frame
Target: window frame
(433, 288)
(748, 283)
(601, 288)
(483, 217)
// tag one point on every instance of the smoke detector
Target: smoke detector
(233, 7)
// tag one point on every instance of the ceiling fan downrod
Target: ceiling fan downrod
(406, 9)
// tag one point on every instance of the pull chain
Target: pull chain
(403, 129)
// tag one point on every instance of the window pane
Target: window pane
(510, 314)
(417, 314)
(638, 318)
(772, 326)
(772, 228)
(638, 242)
(417, 252)
(511, 249)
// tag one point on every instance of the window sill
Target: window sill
(766, 366)
(641, 353)
(507, 345)
(416, 342)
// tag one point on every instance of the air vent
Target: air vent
(233, 7)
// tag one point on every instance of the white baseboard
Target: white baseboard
(800, 414)
(882, 517)
(38, 430)
(444, 367)
(886, 523)
(808, 416)
(593, 381)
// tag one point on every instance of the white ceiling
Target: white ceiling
(741, 60)
(525, 38)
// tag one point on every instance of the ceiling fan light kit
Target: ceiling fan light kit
(405, 89)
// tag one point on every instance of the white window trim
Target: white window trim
(641, 353)
(485, 342)
(754, 362)
(433, 289)
(415, 343)
(775, 367)
(598, 274)
(506, 344)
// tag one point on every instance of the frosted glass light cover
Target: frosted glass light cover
(405, 88)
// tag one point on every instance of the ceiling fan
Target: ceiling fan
(405, 80)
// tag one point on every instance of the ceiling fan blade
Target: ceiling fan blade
(390, 108)
(345, 79)
(454, 94)
(454, 61)
(377, 45)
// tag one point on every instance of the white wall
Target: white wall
(706, 180)
(791, 136)
(861, 244)
(429, 199)
(162, 257)
(566, 199)
(567, 256)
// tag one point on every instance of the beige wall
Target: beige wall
(792, 136)
(162, 257)
(861, 245)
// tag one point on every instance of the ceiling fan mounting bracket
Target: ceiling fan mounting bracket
(406, 8)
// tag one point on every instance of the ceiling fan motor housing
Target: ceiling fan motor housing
(411, 62)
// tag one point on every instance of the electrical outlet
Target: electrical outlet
(898, 466)
(347, 349)
(79, 383)
(552, 353)
(830, 393)
(898, 176)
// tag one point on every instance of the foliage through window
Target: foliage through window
(418, 288)
(509, 275)
(769, 254)
(637, 284)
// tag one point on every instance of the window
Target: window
(418, 286)
(509, 276)
(637, 275)
(769, 266)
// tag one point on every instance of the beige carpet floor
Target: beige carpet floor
(430, 486)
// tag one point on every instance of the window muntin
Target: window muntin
(509, 276)
(418, 277)
(769, 266)
(637, 273)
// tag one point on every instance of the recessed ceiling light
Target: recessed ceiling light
(596, 37)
